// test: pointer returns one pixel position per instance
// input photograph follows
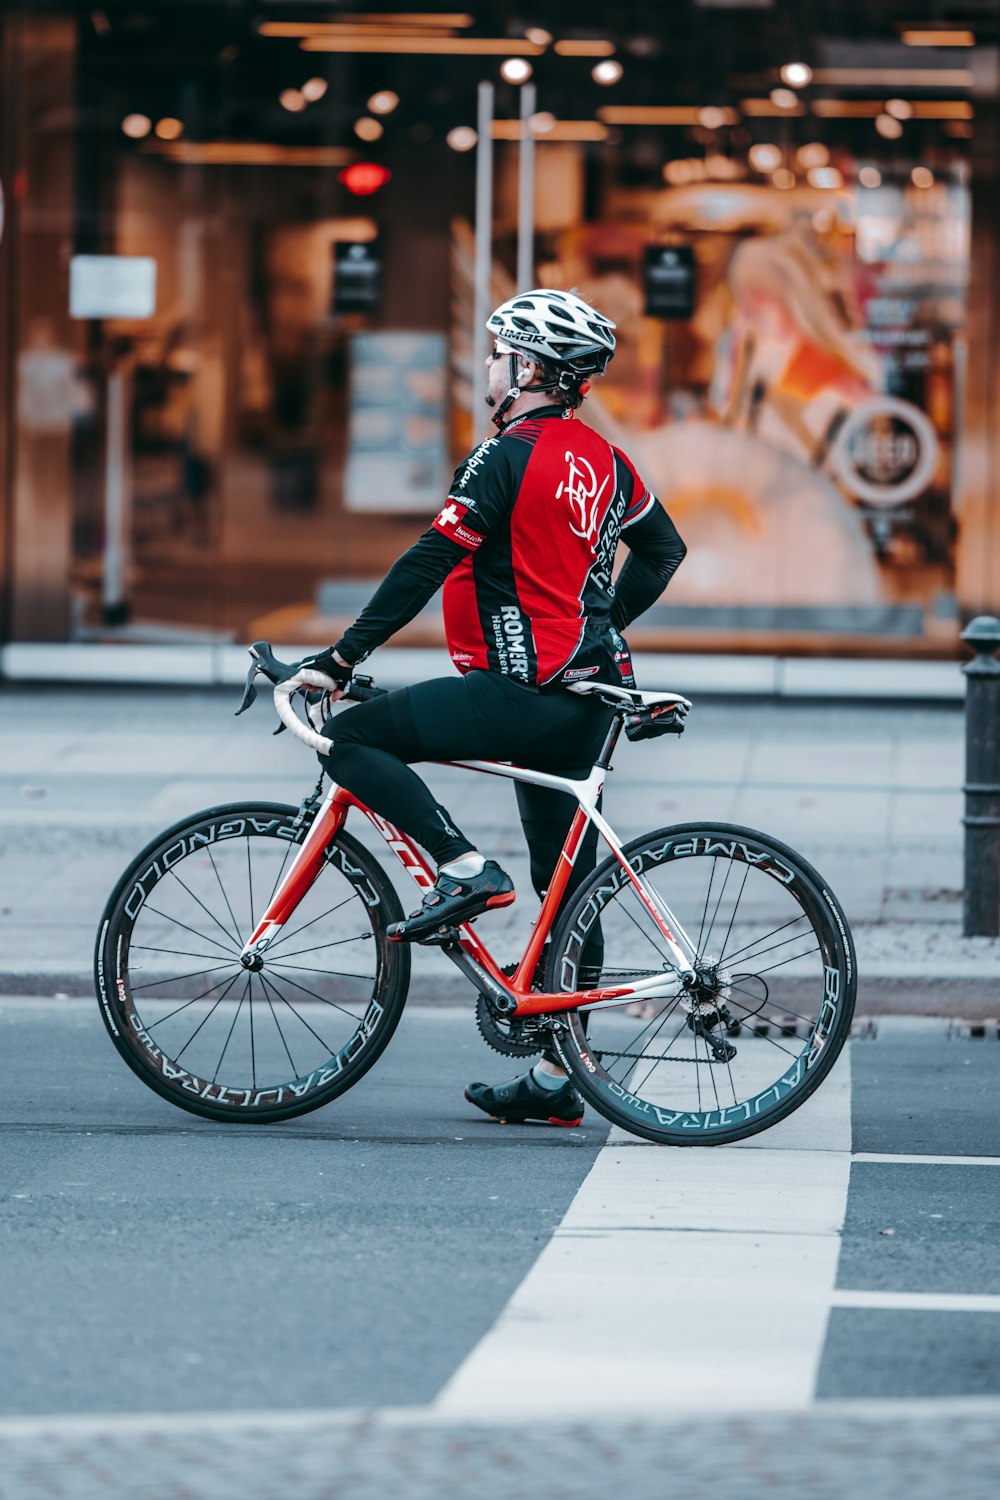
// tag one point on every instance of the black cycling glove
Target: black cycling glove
(324, 661)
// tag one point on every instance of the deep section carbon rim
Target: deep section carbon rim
(224, 1041)
(771, 1010)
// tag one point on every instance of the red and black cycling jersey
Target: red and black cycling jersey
(539, 509)
(526, 543)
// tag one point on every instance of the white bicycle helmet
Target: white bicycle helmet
(558, 327)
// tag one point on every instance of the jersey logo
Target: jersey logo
(584, 494)
(451, 522)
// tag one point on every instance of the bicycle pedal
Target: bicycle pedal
(439, 939)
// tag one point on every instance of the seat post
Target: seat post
(610, 741)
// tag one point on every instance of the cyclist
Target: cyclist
(524, 547)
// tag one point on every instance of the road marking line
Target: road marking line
(928, 1161)
(738, 1278)
(917, 1301)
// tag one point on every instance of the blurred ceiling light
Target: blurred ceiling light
(607, 72)
(784, 98)
(539, 36)
(765, 157)
(593, 47)
(136, 126)
(462, 138)
(367, 129)
(888, 128)
(542, 123)
(783, 179)
(558, 130)
(682, 171)
(247, 154)
(100, 22)
(914, 37)
(812, 154)
(515, 70)
(447, 21)
(901, 78)
(824, 177)
(900, 109)
(657, 114)
(169, 129)
(870, 177)
(921, 109)
(466, 46)
(313, 89)
(383, 102)
(796, 74)
(922, 177)
(724, 168)
(767, 109)
(712, 117)
(293, 100)
(409, 18)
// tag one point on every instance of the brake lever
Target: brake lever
(249, 691)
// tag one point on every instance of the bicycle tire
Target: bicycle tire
(136, 980)
(739, 1011)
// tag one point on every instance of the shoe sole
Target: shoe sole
(526, 1119)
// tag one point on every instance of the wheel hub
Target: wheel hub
(253, 962)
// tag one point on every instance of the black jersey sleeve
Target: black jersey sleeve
(480, 496)
(410, 583)
(655, 553)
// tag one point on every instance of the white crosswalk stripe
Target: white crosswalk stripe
(690, 1279)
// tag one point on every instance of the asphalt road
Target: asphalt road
(354, 1257)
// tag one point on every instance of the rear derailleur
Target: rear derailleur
(707, 1010)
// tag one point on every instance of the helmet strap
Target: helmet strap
(508, 401)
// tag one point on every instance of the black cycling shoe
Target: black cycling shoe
(451, 901)
(523, 1100)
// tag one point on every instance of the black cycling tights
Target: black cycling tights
(481, 716)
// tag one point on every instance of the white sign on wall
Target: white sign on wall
(112, 286)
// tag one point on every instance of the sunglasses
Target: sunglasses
(500, 348)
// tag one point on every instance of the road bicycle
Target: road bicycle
(698, 987)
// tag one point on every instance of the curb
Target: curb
(216, 664)
(969, 998)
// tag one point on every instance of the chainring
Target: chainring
(524, 1037)
(514, 1036)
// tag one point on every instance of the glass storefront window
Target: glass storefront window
(247, 454)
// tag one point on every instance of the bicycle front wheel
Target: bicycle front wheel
(223, 1041)
(772, 1009)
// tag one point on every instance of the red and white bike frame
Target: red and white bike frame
(471, 955)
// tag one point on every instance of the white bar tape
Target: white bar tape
(305, 677)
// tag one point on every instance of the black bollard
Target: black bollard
(981, 914)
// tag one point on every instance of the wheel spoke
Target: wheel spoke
(225, 1045)
(198, 901)
(176, 978)
(211, 1013)
(178, 923)
(313, 995)
(193, 1001)
(311, 923)
(330, 1051)
(222, 888)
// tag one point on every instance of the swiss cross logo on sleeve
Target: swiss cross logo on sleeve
(451, 523)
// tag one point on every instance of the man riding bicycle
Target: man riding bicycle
(524, 546)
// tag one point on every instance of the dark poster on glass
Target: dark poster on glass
(357, 276)
(669, 281)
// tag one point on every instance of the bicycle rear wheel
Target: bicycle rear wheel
(225, 1042)
(773, 1007)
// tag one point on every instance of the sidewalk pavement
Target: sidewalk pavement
(870, 792)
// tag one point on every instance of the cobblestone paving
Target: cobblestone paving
(921, 1452)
